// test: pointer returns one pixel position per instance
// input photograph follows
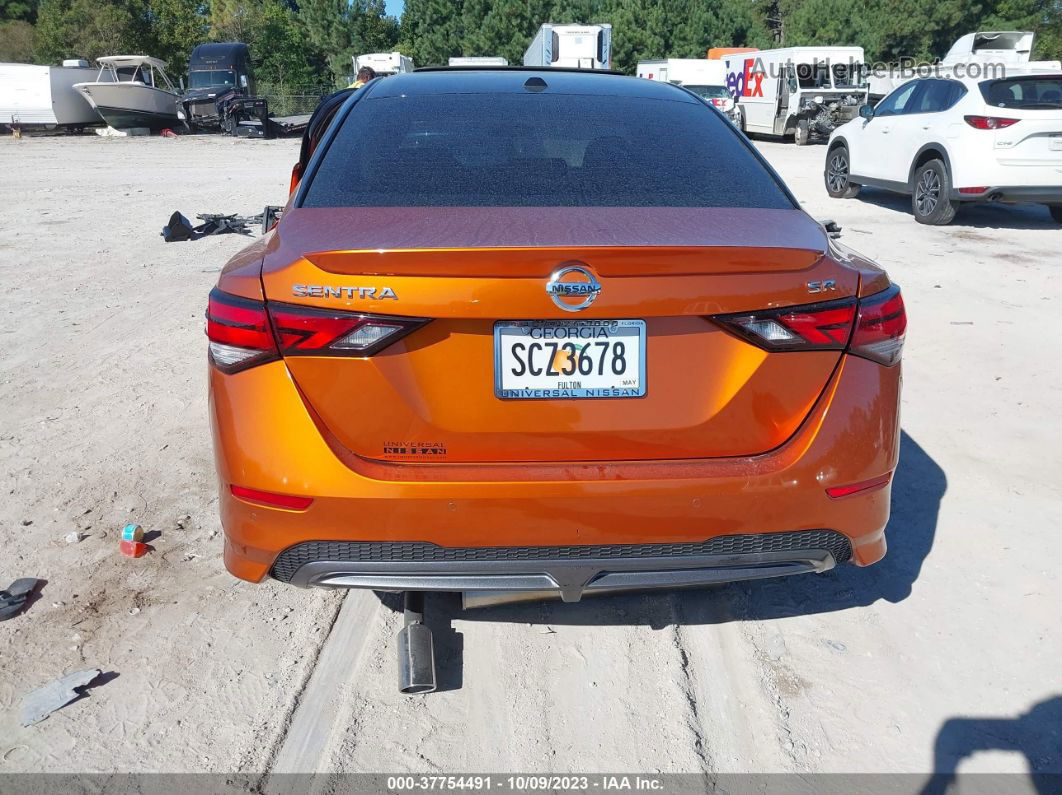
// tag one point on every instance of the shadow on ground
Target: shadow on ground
(1037, 734)
(984, 216)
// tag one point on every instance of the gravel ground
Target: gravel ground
(944, 654)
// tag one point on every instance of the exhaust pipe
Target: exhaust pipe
(416, 660)
(416, 653)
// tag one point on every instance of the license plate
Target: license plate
(556, 359)
(1056, 142)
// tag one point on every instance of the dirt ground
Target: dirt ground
(943, 656)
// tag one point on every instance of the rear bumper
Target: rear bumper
(565, 572)
(1037, 194)
(567, 528)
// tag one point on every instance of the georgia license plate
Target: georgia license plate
(541, 359)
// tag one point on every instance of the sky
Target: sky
(394, 7)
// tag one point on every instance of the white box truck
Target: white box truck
(44, 96)
(705, 78)
(576, 46)
(479, 60)
(800, 91)
(683, 71)
(384, 63)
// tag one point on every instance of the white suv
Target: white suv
(946, 141)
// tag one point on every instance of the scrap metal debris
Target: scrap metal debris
(180, 228)
(16, 597)
(40, 703)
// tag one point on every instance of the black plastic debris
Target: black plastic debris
(16, 597)
(180, 228)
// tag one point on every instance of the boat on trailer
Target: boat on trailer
(133, 91)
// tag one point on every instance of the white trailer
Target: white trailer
(384, 63)
(44, 96)
(684, 71)
(802, 91)
(985, 54)
(1003, 46)
(578, 46)
(479, 60)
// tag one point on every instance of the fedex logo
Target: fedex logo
(747, 81)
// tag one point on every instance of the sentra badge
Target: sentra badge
(324, 291)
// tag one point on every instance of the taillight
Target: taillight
(824, 326)
(296, 175)
(989, 122)
(302, 331)
(239, 332)
(880, 327)
(872, 327)
(244, 333)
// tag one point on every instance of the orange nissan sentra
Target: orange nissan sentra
(553, 333)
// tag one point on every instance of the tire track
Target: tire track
(312, 719)
(693, 717)
(723, 684)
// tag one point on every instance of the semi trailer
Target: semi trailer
(573, 46)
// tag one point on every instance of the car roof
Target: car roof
(514, 80)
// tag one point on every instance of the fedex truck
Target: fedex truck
(578, 46)
(801, 91)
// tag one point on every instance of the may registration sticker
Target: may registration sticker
(560, 359)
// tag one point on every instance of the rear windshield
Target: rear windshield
(539, 150)
(1024, 92)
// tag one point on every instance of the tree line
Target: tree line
(310, 42)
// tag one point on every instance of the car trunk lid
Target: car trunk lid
(432, 397)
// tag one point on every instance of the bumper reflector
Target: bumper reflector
(836, 492)
(289, 501)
